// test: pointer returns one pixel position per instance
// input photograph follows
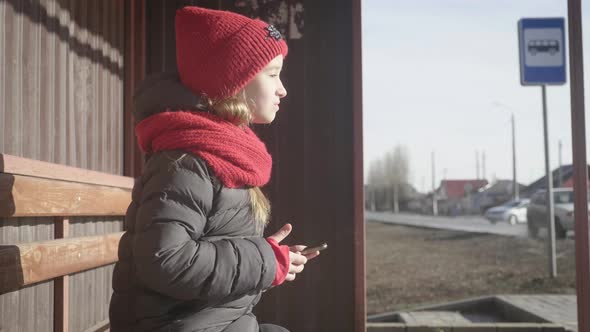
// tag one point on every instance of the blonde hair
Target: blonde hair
(234, 109)
(260, 208)
(237, 110)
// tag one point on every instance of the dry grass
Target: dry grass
(407, 267)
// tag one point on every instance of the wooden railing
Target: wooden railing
(31, 188)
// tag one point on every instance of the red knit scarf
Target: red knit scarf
(235, 154)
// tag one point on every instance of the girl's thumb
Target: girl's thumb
(282, 233)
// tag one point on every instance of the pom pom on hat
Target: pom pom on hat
(219, 52)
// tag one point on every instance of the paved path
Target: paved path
(546, 308)
(464, 223)
(559, 309)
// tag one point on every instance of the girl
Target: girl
(193, 257)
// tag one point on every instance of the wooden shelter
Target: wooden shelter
(68, 69)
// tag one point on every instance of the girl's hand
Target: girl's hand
(296, 259)
(299, 248)
(297, 264)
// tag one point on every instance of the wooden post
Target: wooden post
(61, 285)
(578, 118)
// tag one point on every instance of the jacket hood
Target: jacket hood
(161, 92)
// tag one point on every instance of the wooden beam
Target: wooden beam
(23, 166)
(30, 263)
(358, 188)
(578, 120)
(61, 303)
(24, 196)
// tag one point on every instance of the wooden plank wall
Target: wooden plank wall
(61, 83)
(61, 101)
(91, 288)
(31, 308)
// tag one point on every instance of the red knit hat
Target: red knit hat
(219, 52)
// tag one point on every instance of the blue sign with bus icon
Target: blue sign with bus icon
(535, 46)
(542, 51)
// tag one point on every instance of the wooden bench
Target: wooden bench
(31, 188)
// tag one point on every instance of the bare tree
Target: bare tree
(390, 176)
(398, 166)
(376, 184)
(376, 174)
(397, 170)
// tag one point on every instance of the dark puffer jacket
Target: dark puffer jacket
(190, 259)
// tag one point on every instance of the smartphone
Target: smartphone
(309, 250)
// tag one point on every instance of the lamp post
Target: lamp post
(515, 191)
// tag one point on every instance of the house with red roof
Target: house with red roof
(454, 197)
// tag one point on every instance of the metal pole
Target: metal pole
(432, 169)
(395, 198)
(514, 181)
(476, 165)
(576, 66)
(549, 177)
(373, 195)
(434, 202)
(483, 165)
(559, 183)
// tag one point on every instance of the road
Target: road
(463, 223)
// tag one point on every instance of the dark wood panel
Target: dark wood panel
(161, 41)
(578, 119)
(3, 28)
(318, 177)
(358, 184)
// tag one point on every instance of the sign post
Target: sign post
(542, 62)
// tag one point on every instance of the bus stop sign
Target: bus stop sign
(542, 51)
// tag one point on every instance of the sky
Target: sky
(444, 76)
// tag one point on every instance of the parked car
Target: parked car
(563, 205)
(512, 212)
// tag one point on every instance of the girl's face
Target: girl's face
(265, 91)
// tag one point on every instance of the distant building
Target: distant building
(494, 194)
(565, 180)
(455, 197)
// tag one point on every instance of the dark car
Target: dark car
(512, 212)
(563, 206)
